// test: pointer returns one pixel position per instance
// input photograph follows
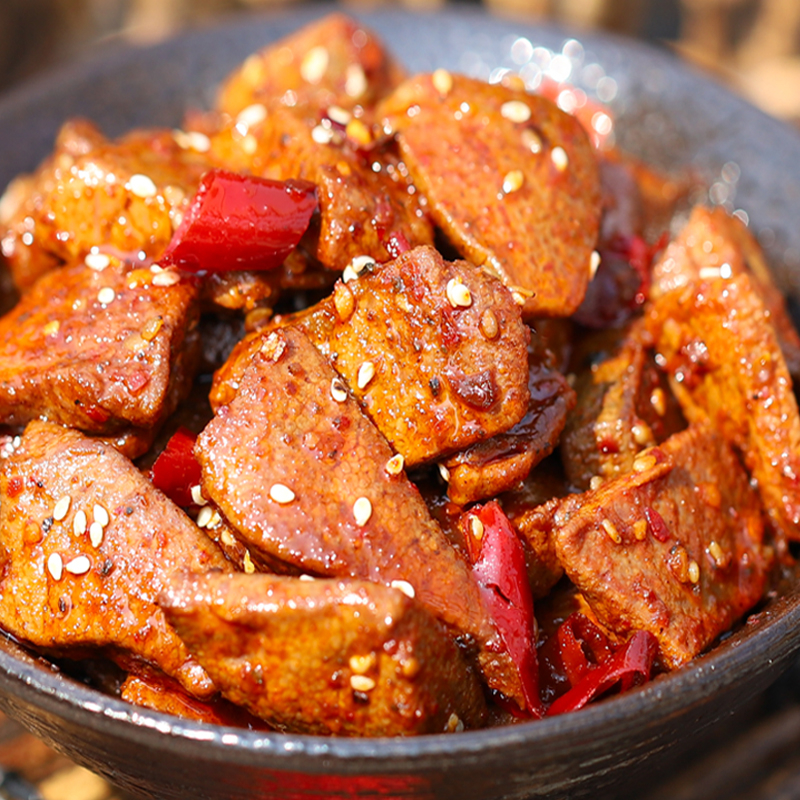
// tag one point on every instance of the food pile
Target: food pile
(376, 405)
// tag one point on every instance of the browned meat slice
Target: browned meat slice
(715, 244)
(716, 341)
(348, 658)
(434, 351)
(624, 405)
(499, 464)
(510, 178)
(674, 548)
(87, 546)
(303, 475)
(105, 351)
(156, 691)
(121, 197)
(334, 61)
(365, 195)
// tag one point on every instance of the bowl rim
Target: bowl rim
(776, 634)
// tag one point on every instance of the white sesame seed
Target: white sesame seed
(215, 520)
(305, 577)
(55, 566)
(96, 534)
(611, 530)
(338, 390)
(366, 372)
(716, 553)
(458, 294)
(204, 516)
(361, 683)
(405, 587)
(659, 401)
(594, 263)
(142, 186)
(249, 144)
(518, 298)
(394, 466)
(251, 115)
(515, 111)
(644, 462)
(349, 274)
(362, 510)
(79, 523)
(488, 324)
(166, 278)
(197, 495)
(360, 263)
(532, 140)
(454, 724)
(709, 273)
(560, 159)
(97, 261)
(321, 135)
(442, 81)
(100, 515)
(444, 472)
(247, 563)
(106, 295)
(694, 571)
(198, 141)
(315, 64)
(192, 140)
(227, 538)
(61, 508)
(281, 494)
(343, 301)
(596, 482)
(476, 527)
(362, 664)
(640, 529)
(340, 115)
(355, 81)
(641, 433)
(79, 565)
(513, 181)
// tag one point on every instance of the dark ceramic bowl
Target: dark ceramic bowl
(665, 113)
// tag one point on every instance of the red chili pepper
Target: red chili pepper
(176, 469)
(629, 666)
(238, 222)
(569, 653)
(499, 567)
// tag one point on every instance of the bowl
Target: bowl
(665, 113)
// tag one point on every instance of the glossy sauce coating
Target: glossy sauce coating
(326, 656)
(675, 547)
(510, 178)
(303, 476)
(70, 587)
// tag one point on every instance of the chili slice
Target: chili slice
(176, 469)
(499, 567)
(241, 222)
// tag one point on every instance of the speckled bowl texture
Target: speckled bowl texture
(666, 113)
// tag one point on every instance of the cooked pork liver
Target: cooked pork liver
(326, 656)
(87, 546)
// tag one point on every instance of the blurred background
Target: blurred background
(752, 45)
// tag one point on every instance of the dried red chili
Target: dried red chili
(238, 222)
